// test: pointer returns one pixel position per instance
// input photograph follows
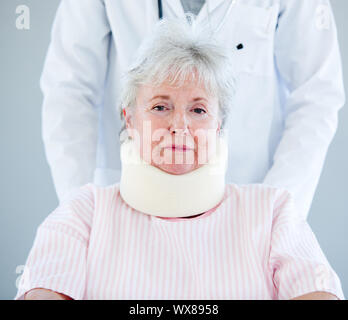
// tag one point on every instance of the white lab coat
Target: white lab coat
(289, 88)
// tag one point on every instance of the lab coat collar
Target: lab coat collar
(174, 8)
(178, 10)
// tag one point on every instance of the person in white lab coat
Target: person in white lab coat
(289, 87)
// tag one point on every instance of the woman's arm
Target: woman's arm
(296, 261)
(45, 294)
(58, 259)
(316, 296)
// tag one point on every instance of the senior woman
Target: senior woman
(172, 228)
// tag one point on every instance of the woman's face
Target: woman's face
(175, 127)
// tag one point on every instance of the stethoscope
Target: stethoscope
(160, 10)
(232, 4)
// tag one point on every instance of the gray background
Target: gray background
(26, 188)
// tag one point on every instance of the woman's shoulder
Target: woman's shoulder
(81, 204)
(99, 196)
(105, 193)
(260, 199)
(87, 197)
(91, 192)
(273, 195)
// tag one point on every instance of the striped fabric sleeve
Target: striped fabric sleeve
(57, 260)
(296, 260)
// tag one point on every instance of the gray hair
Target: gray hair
(174, 52)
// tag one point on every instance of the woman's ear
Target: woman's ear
(127, 117)
(219, 127)
(128, 120)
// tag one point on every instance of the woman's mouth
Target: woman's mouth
(181, 148)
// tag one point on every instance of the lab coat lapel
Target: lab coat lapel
(178, 10)
(212, 5)
(175, 7)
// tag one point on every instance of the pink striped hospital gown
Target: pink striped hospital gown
(250, 246)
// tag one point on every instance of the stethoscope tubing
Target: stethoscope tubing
(160, 9)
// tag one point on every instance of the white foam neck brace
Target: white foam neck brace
(155, 192)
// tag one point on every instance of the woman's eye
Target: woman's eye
(159, 108)
(199, 110)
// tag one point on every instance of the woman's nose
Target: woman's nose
(179, 123)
